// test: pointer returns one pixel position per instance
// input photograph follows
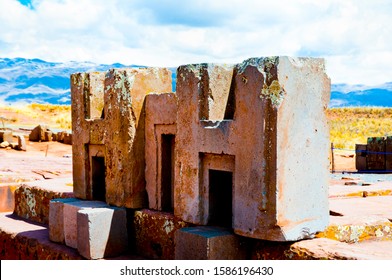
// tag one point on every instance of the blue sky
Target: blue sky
(352, 35)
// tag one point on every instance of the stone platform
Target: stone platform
(360, 227)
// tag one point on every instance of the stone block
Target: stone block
(68, 138)
(38, 133)
(6, 136)
(208, 243)
(56, 219)
(360, 157)
(60, 136)
(161, 113)
(21, 143)
(376, 153)
(48, 135)
(102, 232)
(267, 137)
(70, 211)
(154, 233)
(388, 153)
(4, 144)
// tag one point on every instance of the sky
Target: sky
(354, 36)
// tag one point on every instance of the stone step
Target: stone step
(32, 198)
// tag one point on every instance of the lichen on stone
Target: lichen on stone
(273, 92)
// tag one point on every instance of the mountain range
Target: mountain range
(37, 81)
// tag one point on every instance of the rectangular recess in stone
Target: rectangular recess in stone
(220, 198)
(98, 178)
(167, 172)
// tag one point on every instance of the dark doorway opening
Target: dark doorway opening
(167, 172)
(98, 178)
(220, 198)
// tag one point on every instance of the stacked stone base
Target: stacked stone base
(159, 235)
(95, 229)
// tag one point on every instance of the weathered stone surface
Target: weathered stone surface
(32, 199)
(4, 144)
(6, 136)
(48, 135)
(266, 142)
(161, 114)
(70, 210)
(21, 143)
(67, 138)
(360, 157)
(119, 130)
(376, 153)
(60, 136)
(56, 219)
(102, 232)
(388, 156)
(208, 243)
(154, 233)
(38, 133)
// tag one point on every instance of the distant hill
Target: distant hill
(343, 95)
(37, 81)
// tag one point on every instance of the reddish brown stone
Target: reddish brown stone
(32, 199)
(154, 233)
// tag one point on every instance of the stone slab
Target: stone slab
(70, 211)
(21, 143)
(102, 232)
(323, 248)
(376, 153)
(208, 243)
(6, 136)
(56, 220)
(360, 157)
(22, 240)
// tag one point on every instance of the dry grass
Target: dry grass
(350, 126)
(55, 116)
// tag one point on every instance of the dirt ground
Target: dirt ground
(41, 160)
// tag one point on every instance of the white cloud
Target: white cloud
(354, 35)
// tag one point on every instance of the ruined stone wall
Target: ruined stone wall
(117, 133)
(274, 132)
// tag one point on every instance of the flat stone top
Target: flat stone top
(207, 232)
(101, 209)
(14, 225)
(61, 185)
(86, 204)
